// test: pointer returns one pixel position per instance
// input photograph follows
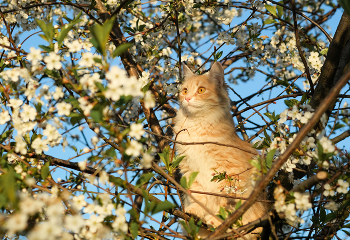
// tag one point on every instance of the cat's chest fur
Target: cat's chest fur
(202, 158)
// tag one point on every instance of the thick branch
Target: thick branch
(329, 69)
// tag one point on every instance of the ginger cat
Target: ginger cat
(205, 113)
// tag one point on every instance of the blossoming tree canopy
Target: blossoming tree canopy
(89, 90)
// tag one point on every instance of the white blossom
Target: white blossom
(134, 148)
(136, 130)
(64, 108)
(53, 61)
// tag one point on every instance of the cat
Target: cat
(205, 114)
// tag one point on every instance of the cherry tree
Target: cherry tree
(89, 90)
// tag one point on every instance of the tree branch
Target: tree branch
(329, 69)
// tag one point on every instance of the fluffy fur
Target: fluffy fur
(206, 117)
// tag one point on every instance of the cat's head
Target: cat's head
(205, 92)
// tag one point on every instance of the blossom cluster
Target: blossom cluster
(300, 115)
(301, 202)
(66, 222)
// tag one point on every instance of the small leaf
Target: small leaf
(324, 51)
(8, 184)
(269, 21)
(184, 225)
(280, 10)
(322, 214)
(96, 115)
(163, 206)
(255, 163)
(330, 217)
(143, 179)
(347, 233)
(183, 182)
(238, 204)
(66, 28)
(177, 161)
(271, 9)
(117, 181)
(120, 49)
(45, 170)
(192, 178)
(45, 48)
(100, 35)
(146, 87)
(47, 28)
(134, 228)
(164, 156)
(223, 213)
(269, 157)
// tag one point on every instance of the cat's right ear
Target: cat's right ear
(217, 73)
(187, 71)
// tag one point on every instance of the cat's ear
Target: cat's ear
(216, 73)
(187, 71)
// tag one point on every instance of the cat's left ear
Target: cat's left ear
(216, 73)
(187, 71)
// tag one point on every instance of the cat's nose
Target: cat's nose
(188, 99)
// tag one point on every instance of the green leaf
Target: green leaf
(66, 28)
(76, 119)
(5, 135)
(303, 99)
(120, 49)
(111, 152)
(283, 83)
(164, 156)
(320, 152)
(223, 213)
(146, 87)
(271, 9)
(100, 35)
(291, 102)
(163, 206)
(269, 21)
(322, 214)
(324, 51)
(192, 178)
(96, 115)
(269, 157)
(255, 163)
(8, 184)
(45, 48)
(330, 217)
(117, 181)
(183, 182)
(3, 202)
(238, 204)
(134, 228)
(177, 161)
(73, 101)
(348, 233)
(279, 10)
(267, 137)
(45, 170)
(143, 179)
(47, 28)
(184, 225)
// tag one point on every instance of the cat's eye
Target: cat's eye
(184, 91)
(201, 90)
